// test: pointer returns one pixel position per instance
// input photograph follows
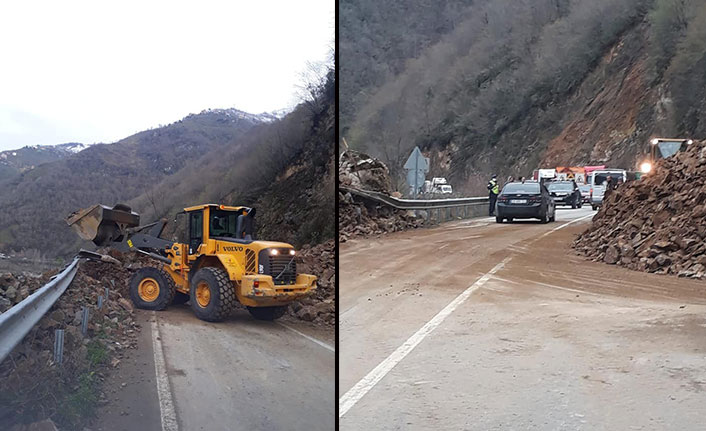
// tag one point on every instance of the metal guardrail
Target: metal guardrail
(16, 322)
(415, 204)
(433, 210)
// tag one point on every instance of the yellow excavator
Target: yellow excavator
(218, 264)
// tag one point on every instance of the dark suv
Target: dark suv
(525, 200)
(566, 193)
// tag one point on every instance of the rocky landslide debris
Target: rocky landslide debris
(320, 307)
(658, 223)
(16, 287)
(34, 387)
(361, 217)
(361, 171)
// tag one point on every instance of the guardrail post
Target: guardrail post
(100, 302)
(107, 292)
(84, 321)
(58, 346)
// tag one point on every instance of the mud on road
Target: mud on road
(548, 341)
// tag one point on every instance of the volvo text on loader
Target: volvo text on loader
(218, 264)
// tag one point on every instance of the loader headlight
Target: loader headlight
(645, 167)
(655, 141)
(689, 142)
(274, 252)
(292, 252)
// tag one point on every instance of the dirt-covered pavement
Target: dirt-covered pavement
(478, 325)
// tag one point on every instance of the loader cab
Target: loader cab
(220, 222)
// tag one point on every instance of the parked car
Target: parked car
(565, 193)
(597, 180)
(525, 200)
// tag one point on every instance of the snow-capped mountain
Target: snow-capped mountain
(23, 159)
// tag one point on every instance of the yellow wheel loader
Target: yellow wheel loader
(218, 264)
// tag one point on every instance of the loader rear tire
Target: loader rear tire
(152, 289)
(268, 313)
(212, 294)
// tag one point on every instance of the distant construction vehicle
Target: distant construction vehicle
(218, 265)
(667, 147)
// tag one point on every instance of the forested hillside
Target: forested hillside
(505, 86)
(283, 167)
(33, 204)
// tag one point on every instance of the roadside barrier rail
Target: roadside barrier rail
(16, 322)
(433, 210)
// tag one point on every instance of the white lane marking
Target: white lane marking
(341, 315)
(358, 391)
(564, 225)
(166, 404)
(319, 342)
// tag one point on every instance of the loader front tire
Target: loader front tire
(268, 313)
(212, 294)
(152, 289)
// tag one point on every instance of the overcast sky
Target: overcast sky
(96, 71)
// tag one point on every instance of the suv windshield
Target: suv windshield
(223, 223)
(560, 187)
(521, 188)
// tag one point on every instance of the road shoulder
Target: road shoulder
(131, 391)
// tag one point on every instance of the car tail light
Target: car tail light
(502, 199)
(590, 192)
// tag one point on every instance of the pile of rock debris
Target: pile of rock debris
(658, 223)
(34, 386)
(320, 307)
(358, 216)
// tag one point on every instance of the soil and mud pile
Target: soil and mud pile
(34, 387)
(658, 223)
(358, 216)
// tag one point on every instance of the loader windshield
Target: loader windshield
(223, 223)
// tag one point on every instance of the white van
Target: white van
(597, 180)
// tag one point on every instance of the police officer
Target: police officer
(493, 191)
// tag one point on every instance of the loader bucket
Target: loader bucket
(102, 224)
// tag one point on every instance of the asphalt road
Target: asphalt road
(241, 374)
(482, 326)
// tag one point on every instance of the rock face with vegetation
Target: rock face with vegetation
(506, 86)
(658, 223)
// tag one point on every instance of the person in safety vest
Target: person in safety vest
(493, 191)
